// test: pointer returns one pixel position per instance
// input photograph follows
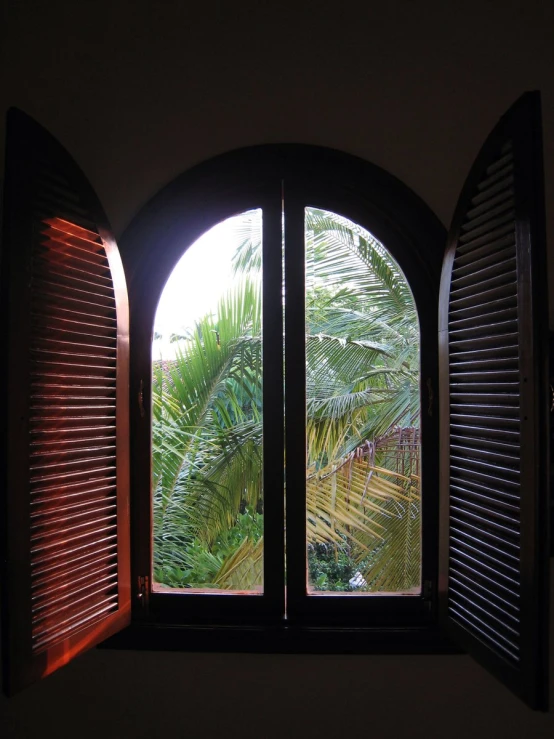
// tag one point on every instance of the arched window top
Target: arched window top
(245, 178)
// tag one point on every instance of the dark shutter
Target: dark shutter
(65, 413)
(494, 458)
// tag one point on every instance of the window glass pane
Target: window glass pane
(207, 415)
(363, 525)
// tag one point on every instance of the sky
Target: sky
(199, 279)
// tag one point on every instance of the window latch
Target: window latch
(143, 592)
(428, 594)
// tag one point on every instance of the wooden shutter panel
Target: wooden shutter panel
(494, 424)
(65, 413)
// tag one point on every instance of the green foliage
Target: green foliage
(362, 344)
(329, 568)
(201, 566)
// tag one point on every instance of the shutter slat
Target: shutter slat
(499, 164)
(505, 435)
(53, 435)
(466, 505)
(502, 622)
(88, 236)
(480, 553)
(496, 501)
(489, 257)
(465, 250)
(44, 401)
(57, 347)
(484, 226)
(489, 206)
(480, 543)
(63, 291)
(493, 637)
(485, 446)
(77, 261)
(76, 491)
(500, 173)
(59, 581)
(47, 536)
(65, 567)
(497, 409)
(83, 618)
(502, 605)
(489, 610)
(491, 276)
(47, 411)
(470, 485)
(483, 222)
(487, 192)
(486, 378)
(39, 472)
(506, 586)
(47, 605)
(44, 550)
(481, 257)
(460, 514)
(89, 507)
(48, 278)
(480, 399)
(51, 445)
(61, 316)
(474, 528)
(45, 456)
(494, 458)
(484, 345)
(55, 628)
(501, 364)
(483, 328)
(43, 483)
(48, 368)
(66, 328)
(482, 310)
(504, 293)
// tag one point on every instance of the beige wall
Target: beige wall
(140, 91)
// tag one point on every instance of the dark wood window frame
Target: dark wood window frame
(274, 178)
(297, 176)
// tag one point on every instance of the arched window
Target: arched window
(385, 238)
(78, 417)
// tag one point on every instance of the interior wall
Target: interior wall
(140, 91)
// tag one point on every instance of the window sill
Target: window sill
(282, 640)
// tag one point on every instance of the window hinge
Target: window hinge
(143, 591)
(141, 400)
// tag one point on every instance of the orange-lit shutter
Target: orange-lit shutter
(65, 413)
(494, 471)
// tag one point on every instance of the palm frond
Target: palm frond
(244, 569)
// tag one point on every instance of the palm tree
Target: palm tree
(362, 380)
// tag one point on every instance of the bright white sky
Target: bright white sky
(194, 287)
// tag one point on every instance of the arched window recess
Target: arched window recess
(77, 410)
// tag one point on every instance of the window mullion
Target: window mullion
(295, 401)
(273, 408)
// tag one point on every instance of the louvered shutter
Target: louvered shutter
(65, 413)
(494, 454)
